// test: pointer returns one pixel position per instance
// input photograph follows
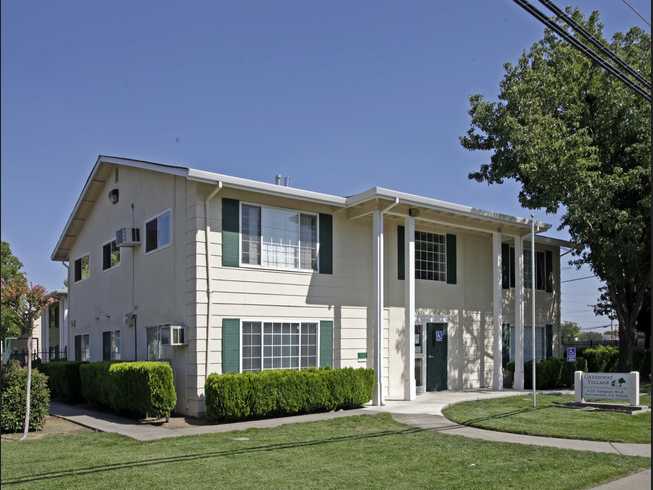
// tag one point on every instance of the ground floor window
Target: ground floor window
(279, 345)
(111, 345)
(540, 343)
(82, 348)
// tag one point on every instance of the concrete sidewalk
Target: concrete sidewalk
(108, 422)
(638, 481)
(445, 426)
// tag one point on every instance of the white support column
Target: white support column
(410, 390)
(497, 312)
(377, 287)
(519, 314)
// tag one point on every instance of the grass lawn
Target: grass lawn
(357, 451)
(516, 414)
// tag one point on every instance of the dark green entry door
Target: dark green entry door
(436, 356)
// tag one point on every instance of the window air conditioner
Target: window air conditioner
(173, 335)
(128, 237)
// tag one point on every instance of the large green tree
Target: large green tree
(579, 141)
(10, 269)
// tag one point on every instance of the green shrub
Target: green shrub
(142, 389)
(265, 394)
(63, 380)
(601, 358)
(570, 368)
(13, 397)
(548, 373)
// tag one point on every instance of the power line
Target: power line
(577, 279)
(583, 49)
(594, 42)
(636, 12)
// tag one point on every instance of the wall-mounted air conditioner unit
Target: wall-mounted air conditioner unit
(173, 335)
(128, 237)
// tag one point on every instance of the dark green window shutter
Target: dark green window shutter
(401, 253)
(326, 244)
(512, 267)
(230, 345)
(505, 265)
(549, 341)
(230, 232)
(549, 271)
(451, 259)
(326, 343)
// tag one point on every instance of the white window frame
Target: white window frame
(112, 354)
(267, 267)
(102, 256)
(436, 281)
(278, 320)
(144, 238)
(88, 346)
(89, 268)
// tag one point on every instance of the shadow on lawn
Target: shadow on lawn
(503, 415)
(211, 454)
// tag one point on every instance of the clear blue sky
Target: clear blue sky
(338, 95)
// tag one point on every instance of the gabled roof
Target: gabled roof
(101, 171)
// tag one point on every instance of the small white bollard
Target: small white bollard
(578, 386)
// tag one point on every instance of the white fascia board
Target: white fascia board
(439, 205)
(266, 188)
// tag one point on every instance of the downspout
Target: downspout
(66, 314)
(217, 189)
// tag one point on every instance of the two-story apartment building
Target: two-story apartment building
(219, 274)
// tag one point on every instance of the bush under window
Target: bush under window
(276, 393)
(63, 380)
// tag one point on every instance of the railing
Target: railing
(21, 356)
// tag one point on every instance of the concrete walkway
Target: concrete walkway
(425, 412)
(638, 481)
(108, 422)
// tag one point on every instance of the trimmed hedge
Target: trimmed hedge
(550, 373)
(264, 394)
(64, 380)
(601, 358)
(142, 389)
(13, 398)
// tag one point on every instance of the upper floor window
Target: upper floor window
(110, 255)
(81, 268)
(158, 231)
(278, 238)
(540, 273)
(430, 256)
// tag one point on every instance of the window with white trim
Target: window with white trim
(540, 343)
(110, 255)
(111, 345)
(158, 231)
(278, 238)
(82, 348)
(430, 256)
(279, 345)
(82, 268)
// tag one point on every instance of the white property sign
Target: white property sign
(607, 386)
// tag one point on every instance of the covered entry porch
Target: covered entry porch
(425, 350)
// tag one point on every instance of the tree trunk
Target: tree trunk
(28, 390)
